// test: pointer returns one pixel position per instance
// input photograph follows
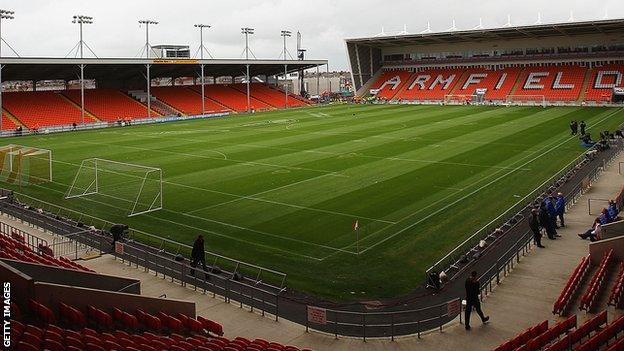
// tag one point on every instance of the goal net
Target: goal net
(135, 188)
(531, 100)
(463, 99)
(25, 165)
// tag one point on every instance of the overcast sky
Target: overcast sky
(44, 28)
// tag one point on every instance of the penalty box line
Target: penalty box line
(217, 222)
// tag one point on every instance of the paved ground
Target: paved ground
(524, 298)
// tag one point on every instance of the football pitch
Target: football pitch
(283, 189)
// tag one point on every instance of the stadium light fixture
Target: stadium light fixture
(202, 48)
(4, 14)
(201, 56)
(248, 31)
(80, 20)
(147, 23)
(285, 34)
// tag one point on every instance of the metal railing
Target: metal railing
(515, 211)
(248, 290)
(263, 275)
(33, 242)
(387, 324)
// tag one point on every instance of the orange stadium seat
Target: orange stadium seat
(430, 85)
(7, 124)
(602, 81)
(186, 100)
(390, 83)
(42, 108)
(498, 83)
(268, 95)
(555, 83)
(231, 98)
(109, 104)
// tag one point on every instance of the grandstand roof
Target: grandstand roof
(506, 33)
(40, 68)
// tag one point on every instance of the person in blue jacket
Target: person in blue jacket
(550, 207)
(560, 208)
(604, 217)
(613, 210)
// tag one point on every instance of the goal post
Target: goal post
(531, 100)
(25, 165)
(459, 99)
(135, 188)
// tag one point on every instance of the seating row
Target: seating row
(597, 281)
(573, 283)
(17, 250)
(28, 337)
(617, 292)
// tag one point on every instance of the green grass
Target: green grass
(283, 189)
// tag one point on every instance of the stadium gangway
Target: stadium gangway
(266, 277)
(452, 259)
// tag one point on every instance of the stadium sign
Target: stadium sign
(453, 308)
(317, 315)
(176, 62)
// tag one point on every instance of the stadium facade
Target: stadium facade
(569, 63)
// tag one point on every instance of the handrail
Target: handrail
(105, 223)
(518, 206)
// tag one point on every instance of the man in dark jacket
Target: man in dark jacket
(583, 127)
(546, 222)
(535, 228)
(472, 299)
(117, 230)
(198, 255)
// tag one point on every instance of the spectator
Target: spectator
(545, 222)
(560, 208)
(472, 299)
(198, 255)
(535, 228)
(594, 232)
(552, 212)
(613, 210)
(604, 218)
(118, 230)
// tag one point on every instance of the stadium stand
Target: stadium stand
(579, 334)
(521, 339)
(498, 83)
(602, 81)
(7, 123)
(430, 85)
(16, 248)
(596, 283)
(42, 108)
(390, 83)
(108, 104)
(186, 100)
(272, 97)
(615, 297)
(231, 98)
(555, 83)
(573, 283)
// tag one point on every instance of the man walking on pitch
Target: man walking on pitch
(582, 125)
(198, 255)
(472, 299)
